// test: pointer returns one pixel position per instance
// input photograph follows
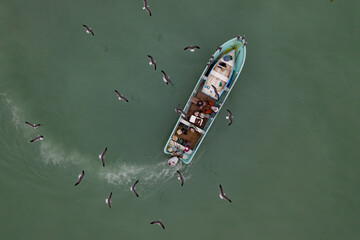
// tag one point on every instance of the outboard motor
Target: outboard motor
(173, 161)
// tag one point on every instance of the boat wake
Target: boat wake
(149, 175)
(14, 111)
(52, 153)
(49, 151)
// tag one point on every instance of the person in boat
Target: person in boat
(201, 104)
(199, 114)
(211, 108)
(184, 130)
(215, 109)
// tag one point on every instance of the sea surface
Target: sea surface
(290, 161)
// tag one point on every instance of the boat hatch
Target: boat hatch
(219, 76)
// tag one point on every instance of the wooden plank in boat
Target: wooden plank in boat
(219, 76)
(199, 130)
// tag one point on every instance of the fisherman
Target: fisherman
(211, 109)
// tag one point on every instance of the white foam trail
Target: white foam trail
(125, 174)
(50, 152)
(55, 154)
(14, 110)
(122, 173)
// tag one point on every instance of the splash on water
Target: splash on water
(52, 153)
(14, 111)
(122, 173)
(149, 175)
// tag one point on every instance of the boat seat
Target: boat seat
(178, 147)
(199, 130)
(219, 76)
(194, 119)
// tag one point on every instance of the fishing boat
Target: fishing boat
(206, 100)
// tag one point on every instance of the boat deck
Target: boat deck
(182, 134)
(190, 137)
(195, 108)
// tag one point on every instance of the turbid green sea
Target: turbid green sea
(290, 162)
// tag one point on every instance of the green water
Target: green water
(290, 161)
